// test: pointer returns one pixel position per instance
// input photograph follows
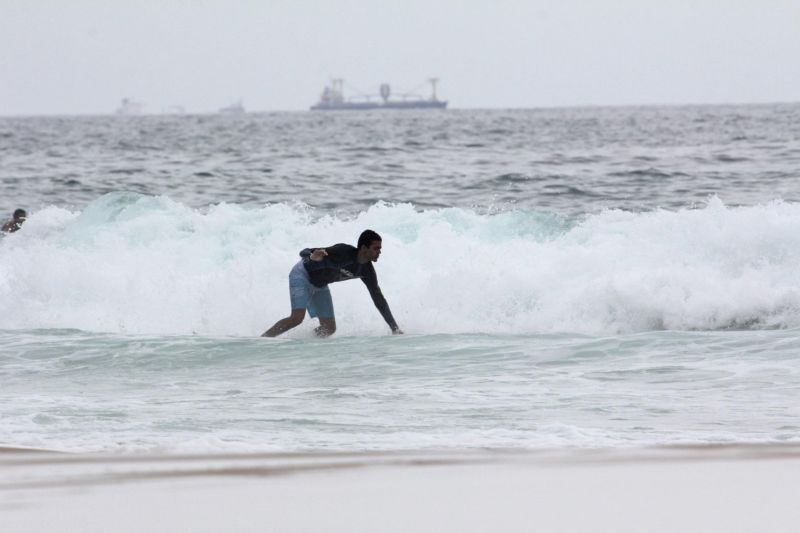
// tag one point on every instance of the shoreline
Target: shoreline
(704, 488)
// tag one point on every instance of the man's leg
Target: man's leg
(285, 324)
(323, 308)
(300, 290)
(327, 327)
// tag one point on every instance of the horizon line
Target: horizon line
(450, 108)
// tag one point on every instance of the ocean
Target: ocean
(588, 277)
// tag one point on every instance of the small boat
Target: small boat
(129, 106)
(235, 108)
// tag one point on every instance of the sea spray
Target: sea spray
(138, 264)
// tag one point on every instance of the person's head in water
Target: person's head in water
(369, 245)
(16, 222)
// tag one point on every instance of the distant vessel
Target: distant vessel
(129, 106)
(332, 99)
(175, 110)
(235, 108)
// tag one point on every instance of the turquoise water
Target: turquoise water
(81, 391)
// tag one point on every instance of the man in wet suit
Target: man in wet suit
(16, 222)
(309, 279)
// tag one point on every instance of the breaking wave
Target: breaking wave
(149, 265)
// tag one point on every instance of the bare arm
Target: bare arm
(371, 281)
(315, 254)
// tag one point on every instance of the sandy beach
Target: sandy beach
(731, 489)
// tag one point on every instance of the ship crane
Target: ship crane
(386, 90)
(433, 82)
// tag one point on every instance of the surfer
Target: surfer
(309, 279)
(16, 221)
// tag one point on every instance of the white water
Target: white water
(148, 265)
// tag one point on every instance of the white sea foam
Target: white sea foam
(138, 264)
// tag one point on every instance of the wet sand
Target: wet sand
(731, 489)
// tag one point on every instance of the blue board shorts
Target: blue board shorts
(317, 301)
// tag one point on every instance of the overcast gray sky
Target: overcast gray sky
(84, 56)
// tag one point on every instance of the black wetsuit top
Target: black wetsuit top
(342, 264)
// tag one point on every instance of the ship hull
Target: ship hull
(365, 106)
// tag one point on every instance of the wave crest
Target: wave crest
(139, 264)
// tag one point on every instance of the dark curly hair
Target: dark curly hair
(367, 237)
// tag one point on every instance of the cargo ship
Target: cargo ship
(332, 99)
